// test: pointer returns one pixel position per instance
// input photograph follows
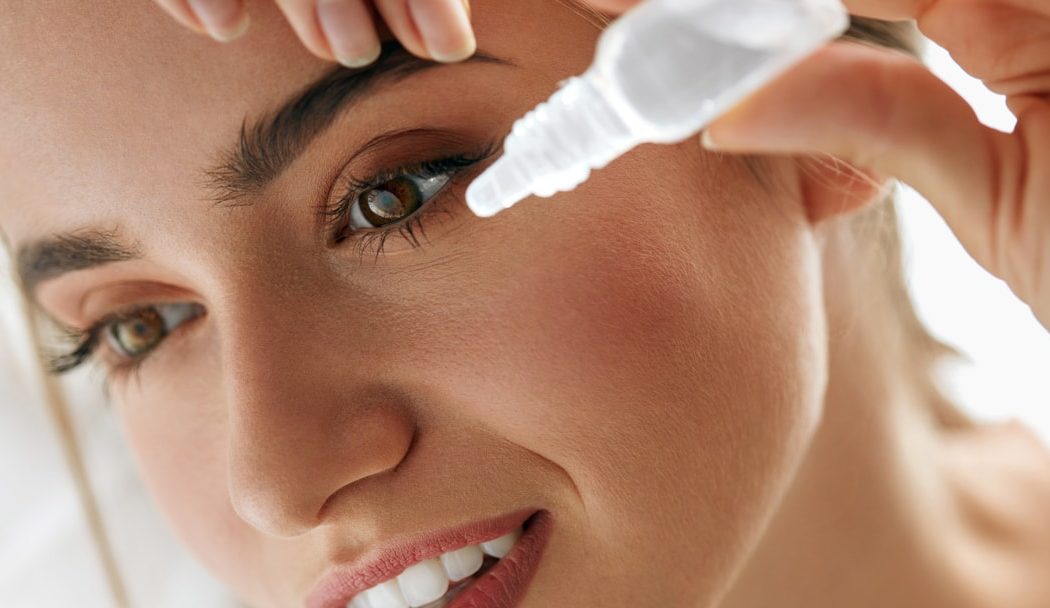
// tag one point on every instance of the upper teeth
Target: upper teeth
(428, 580)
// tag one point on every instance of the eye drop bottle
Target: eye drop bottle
(663, 71)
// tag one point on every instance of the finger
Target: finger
(350, 32)
(181, 12)
(302, 15)
(438, 29)
(223, 20)
(885, 111)
(1004, 44)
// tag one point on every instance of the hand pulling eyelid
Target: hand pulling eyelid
(663, 71)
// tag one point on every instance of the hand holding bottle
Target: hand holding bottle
(869, 106)
(885, 111)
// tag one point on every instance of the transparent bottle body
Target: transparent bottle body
(662, 72)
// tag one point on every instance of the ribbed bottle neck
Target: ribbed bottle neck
(598, 125)
(554, 147)
(576, 130)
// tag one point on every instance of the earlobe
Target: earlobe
(832, 187)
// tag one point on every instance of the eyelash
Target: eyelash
(87, 341)
(338, 214)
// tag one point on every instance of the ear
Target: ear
(833, 188)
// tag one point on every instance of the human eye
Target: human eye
(395, 203)
(129, 337)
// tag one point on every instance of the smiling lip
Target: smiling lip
(503, 585)
(342, 582)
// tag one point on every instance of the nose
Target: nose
(308, 417)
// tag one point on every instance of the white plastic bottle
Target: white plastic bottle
(663, 71)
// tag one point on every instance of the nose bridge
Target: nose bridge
(307, 415)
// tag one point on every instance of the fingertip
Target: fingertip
(707, 140)
(349, 31)
(223, 20)
(358, 61)
(302, 16)
(445, 28)
(181, 13)
(399, 22)
(459, 54)
(235, 32)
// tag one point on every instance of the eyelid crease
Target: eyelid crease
(427, 138)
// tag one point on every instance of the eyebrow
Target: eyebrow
(267, 146)
(48, 258)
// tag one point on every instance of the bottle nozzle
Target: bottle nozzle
(663, 72)
(553, 148)
(498, 188)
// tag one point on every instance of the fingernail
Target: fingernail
(350, 33)
(445, 28)
(707, 141)
(224, 20)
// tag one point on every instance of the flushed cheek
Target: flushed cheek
(673, 380)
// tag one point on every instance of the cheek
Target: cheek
(177, 434)
(658, 340)
(663, 346)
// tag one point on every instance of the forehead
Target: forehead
(110, 105)
(107, 91)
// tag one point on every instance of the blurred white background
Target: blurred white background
(46, 555)
(967, 307)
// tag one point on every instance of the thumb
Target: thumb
(882, 110)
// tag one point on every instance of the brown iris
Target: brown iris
(137, 334)
(390, 202)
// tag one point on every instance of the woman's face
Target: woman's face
(641, 358)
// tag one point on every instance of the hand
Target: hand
(346, 30)
(881, 110)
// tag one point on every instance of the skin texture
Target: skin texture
(647, 357)
(551, 357)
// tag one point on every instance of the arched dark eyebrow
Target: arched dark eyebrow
(268, 145)
(265, 148)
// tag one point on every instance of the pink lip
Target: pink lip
(504, 584)
(510, 576)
